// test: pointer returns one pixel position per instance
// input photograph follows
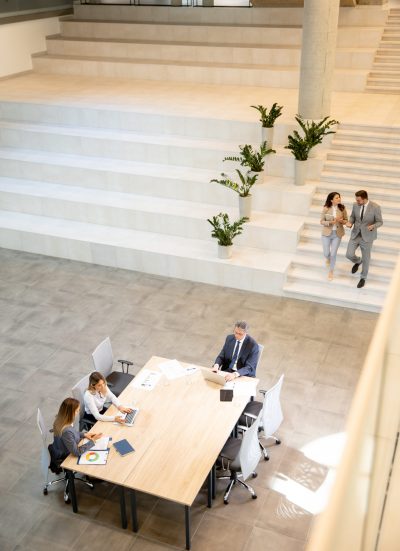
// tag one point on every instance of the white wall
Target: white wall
(18, 41)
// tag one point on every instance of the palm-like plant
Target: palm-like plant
(315, 131)
(225, 231)
(243, 188)
(299, 146)
(268, 118)
(252, 158)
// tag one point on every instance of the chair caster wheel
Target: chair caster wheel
(254, 496)
(278, 442)
(266, 457)
(45, 491)
(67, 501)
(254, 475)
(226, 502)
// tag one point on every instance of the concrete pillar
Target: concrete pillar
(318, 57)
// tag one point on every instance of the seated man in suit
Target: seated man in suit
(239, 355)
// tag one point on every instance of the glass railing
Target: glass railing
(360, 499)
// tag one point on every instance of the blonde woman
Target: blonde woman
(333, 218)
(96, 396)
(66, 437)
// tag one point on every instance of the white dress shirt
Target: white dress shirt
(94, 403)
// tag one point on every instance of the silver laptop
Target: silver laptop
(209, 375)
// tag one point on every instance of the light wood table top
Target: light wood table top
(178, 433)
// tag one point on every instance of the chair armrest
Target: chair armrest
(125, 363)
(250, 416)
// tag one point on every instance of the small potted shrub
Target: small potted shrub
(300, 147)
(225, 231)
(251, 158)
(242, 188)
(267, 119)
(316, 131)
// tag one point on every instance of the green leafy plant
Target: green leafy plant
(225, 231)
(315, 131)
(299, 146)
(252, 158)
(243, 188)
(268, 118)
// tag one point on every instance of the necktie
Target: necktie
(235, 355)
(362, 212)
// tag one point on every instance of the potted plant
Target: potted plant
(316, 131)
(252, 158)
(225, 231)
(242, 188)
(300, 147)
(267, 119)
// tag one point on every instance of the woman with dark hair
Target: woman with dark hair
(333, 218)
(96, 396)
(66, 437)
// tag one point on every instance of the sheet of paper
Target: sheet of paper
(172, 369)
(93, 457)
(247, 388)
(101, 443)
(147, 379)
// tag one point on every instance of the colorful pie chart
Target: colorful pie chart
(92, 456)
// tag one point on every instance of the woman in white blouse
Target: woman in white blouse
(96, 396)
(333, 218)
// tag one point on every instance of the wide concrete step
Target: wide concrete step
(378, 159)
(384, 82)
(196, 260)
(387, 232)
(206, 51)
(184, 71)
(346, 186)
(386, 65)
(134, 146)
(384, 243)
(65, 112)
(183, 32)
(366, 146)
(385, 187)
(376, 274)
(138, 212)
(383, 55)
(317, 290)
(381, 169)
(382, 89)
(384, 131)
(313, 249)
(147, 179)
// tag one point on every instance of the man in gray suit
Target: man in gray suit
(365, 219)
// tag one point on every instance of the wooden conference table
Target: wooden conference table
(178, 433)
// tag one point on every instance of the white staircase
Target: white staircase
(246, 47)
(385, 73)
(361, 157)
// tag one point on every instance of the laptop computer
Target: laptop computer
(217, 378)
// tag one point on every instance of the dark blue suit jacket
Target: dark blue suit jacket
(248, 357)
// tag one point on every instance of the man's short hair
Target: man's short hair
(242, 325)
(362, 193)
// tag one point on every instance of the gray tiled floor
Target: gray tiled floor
(54, 312)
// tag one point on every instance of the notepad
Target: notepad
(123, 447)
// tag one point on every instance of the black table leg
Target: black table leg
(209, 488)
(71, 490)
(135, 526)
(187, 526)
(124, 522)
(214, 480)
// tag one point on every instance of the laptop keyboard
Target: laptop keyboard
(130, 417)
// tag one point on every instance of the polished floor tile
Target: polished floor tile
(54, 312)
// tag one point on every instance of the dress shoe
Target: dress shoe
(361, 283)
(355, 268)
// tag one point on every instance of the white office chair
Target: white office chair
(45, 458)
(103, 361)
(241, 457)
(260, 352)
(78, 392)
(271, 414)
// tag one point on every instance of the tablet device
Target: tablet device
(123, 447)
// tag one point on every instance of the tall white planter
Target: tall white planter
(260, 175)
(245, 206)
(300, 172)
(224, 252)
(267, 134)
